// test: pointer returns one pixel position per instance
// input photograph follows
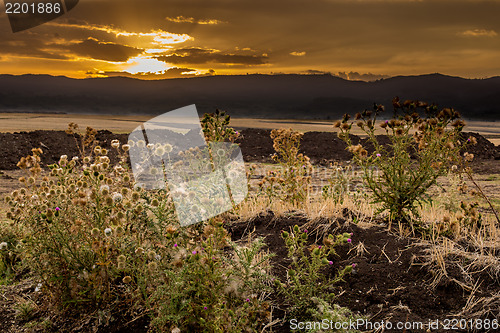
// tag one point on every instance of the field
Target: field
(440, 273)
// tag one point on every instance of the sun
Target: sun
(145, 64)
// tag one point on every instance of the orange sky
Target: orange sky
(355, 39)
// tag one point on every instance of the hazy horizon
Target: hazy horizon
(128, 76)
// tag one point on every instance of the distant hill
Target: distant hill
(263, 96)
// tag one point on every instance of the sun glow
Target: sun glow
(144, 64)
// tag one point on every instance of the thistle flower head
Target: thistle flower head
(151, 254)
(152, 266)
(160, 151)
(117, 197)
(120, 231)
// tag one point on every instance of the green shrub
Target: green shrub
(205, 290)
(306, 280)
(411, 163)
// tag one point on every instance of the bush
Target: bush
(410, 164)
(81, 224)
(292, 182)
(307, 284)
(204, 290)
(96, 241)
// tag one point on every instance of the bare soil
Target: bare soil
(256, 145)
(389, 281)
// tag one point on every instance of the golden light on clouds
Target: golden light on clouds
(479, 33)
(142, 64)
(183, 19)
(158, 37)
(384, 37)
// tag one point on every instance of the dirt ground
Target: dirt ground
(388, 283)
(256, 145)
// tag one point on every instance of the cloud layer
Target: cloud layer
(385, 37)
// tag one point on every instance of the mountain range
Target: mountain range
(283, 96)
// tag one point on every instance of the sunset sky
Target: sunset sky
(356, 39)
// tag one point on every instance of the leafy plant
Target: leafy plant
(306, 279)
(291, 183)
(410, 164)
(204, 290)
(216, 127)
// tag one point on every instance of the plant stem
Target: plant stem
(469, 175)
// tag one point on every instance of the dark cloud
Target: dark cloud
(315, 72)
(104, 51)
(31, 45)
(197, 55)
(352, 76)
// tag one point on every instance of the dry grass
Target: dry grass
(480, 307)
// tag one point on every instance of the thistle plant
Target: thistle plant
(306, 278)
(411, 163)
(216, 127)
(80, 221)
(344, 182)
(93, 237)
(292, 182)
(201, 288)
